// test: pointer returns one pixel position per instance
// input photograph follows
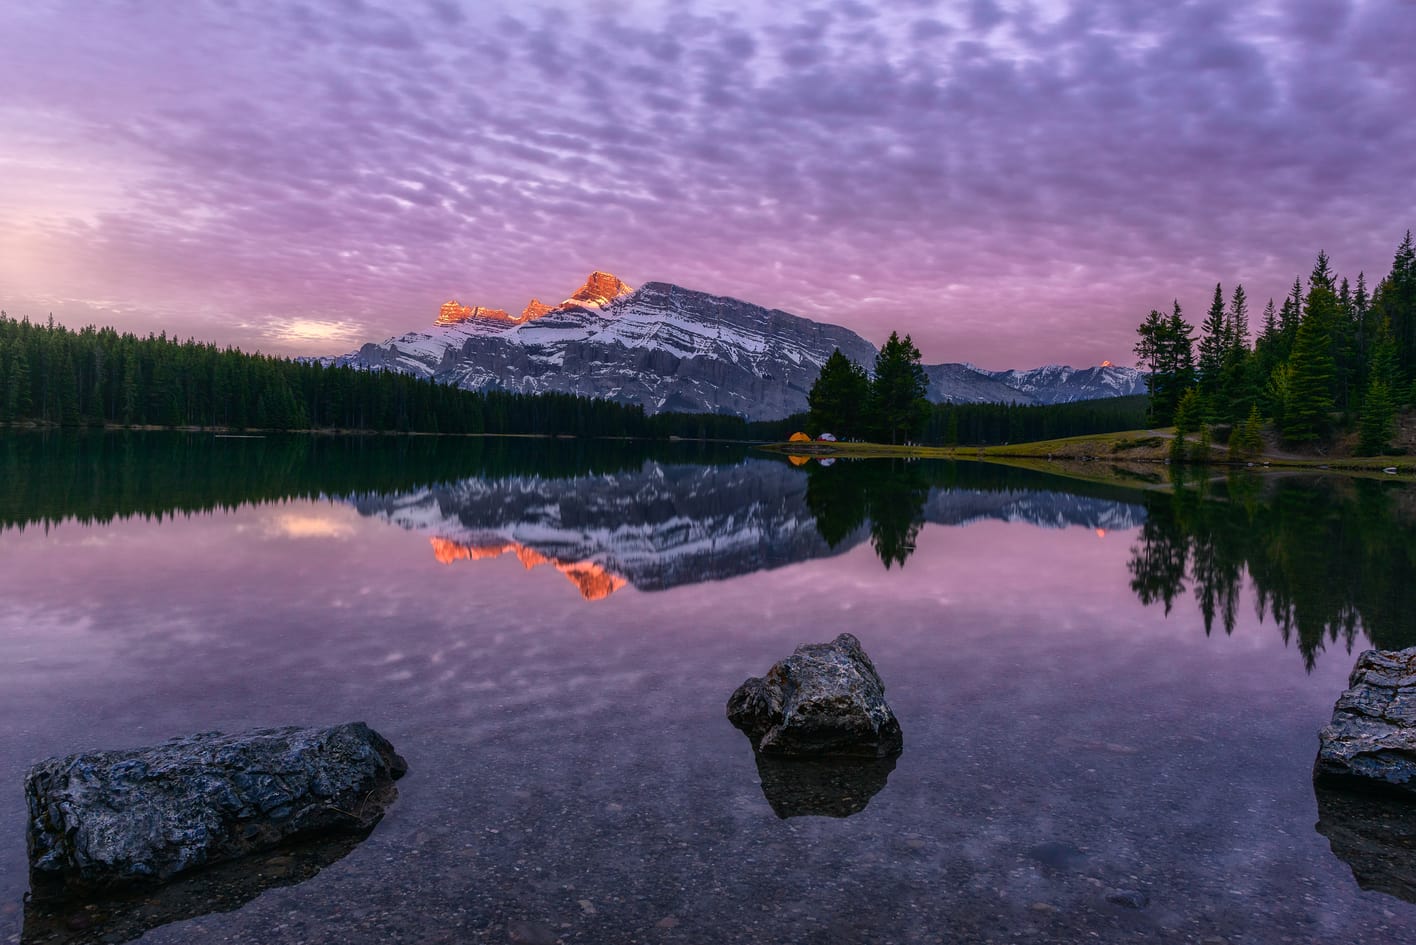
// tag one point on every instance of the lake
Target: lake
(1110, 692)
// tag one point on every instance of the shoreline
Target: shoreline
(1128, 448)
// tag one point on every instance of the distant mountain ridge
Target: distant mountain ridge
(674, 349)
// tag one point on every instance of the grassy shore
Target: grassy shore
(1129, 448)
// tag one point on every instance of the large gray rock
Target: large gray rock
(1371, 742)
(109, 819)
(825, 699)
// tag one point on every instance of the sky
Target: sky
(1011, 183)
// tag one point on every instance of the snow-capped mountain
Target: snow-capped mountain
(662, 346)
(1059, 384)
(674, 349)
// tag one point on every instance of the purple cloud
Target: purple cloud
(1010, 182)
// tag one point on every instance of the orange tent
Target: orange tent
(799, 438)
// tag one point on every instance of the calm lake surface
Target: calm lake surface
(1110, 696)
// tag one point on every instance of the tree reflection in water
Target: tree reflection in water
(1330, 558)
(889, 494)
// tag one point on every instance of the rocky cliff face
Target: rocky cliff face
(672, 349)
(455, 313)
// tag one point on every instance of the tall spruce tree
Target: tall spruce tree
(1311, 368)
(1395, 300)
(897, 406)
(1239, 318)
(1165, 349)
(1214, 345)
(837, 399)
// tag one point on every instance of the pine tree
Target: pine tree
(1165, 350)
(1378, 413)
(1239, 318)
(1377, 424)
(1247, 441)
(1215, 343)
(837, 398)
(1189, 417)
(897, 406)
(1311, 369)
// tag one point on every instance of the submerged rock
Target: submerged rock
(833, 787)
(104, 820)
(1375, 836)
(826, 699)
(1371, 742)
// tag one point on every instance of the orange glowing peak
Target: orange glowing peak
(591, 579)
(534, 309)
(1106, 364)
(454, 312)
(1101, 533)
(600, 288)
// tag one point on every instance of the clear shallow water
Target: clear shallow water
(552, 658)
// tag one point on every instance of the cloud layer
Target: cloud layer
(1010, 182)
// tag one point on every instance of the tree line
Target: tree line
(1330, 356)
(50, 374)
(995, 424)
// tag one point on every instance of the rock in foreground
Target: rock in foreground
(826, 699)
(1371, 742)
(110, 819)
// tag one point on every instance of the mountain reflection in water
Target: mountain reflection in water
(667, 524)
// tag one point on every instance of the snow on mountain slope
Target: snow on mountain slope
(661, 346)
(673, 349)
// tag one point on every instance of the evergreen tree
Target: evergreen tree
(1395, 301)
(1189, 417)
(1165, 349)
(838, 397)
(1311, 369)
(897, 405)
(1239, 318)
(1377, 424)
(1215, 344)
(1247, 441)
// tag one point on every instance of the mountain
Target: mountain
(1052, 384)
(1058, 384)
(662, 346)
(673, 349)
